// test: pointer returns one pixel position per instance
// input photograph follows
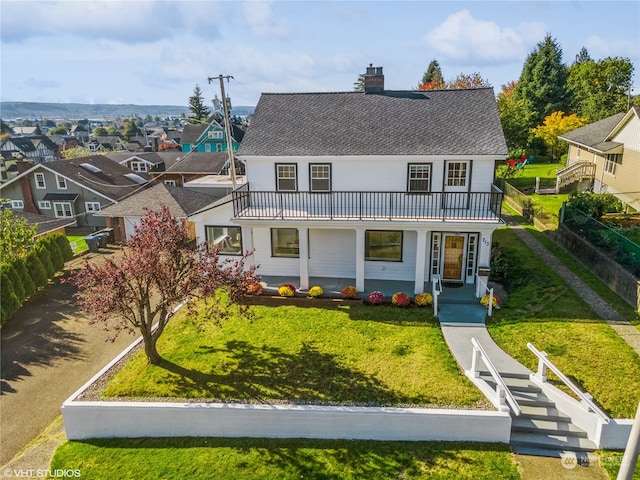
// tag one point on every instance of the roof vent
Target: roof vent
(373, 80)
(90, 168)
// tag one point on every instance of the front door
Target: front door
(453, 256)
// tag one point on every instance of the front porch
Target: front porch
(333, 286)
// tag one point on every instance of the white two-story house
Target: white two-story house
(373, 185)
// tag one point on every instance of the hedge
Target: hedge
(8, 298)
(36, 269)
(63, 244)
(14, 277)
(27, 282)
(50, 244)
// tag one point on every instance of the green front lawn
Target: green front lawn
(78, 243)
(255, 459)
(348, 354)
(527, 179)
(544, 311)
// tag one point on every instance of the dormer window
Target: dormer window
(215, 134)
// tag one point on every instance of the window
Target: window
(62, 209)
(92, 207)
(17, 204)
(286, 177)
(383, 245)
(284, 242)
(40, 183)
(611, 163)
(419, 177)
(171, 183)
(218, 147)
(44, 204)
(320, 177)
(138, 166)
(457, 174)
(227, 239)
(61, 182)
(216, 134)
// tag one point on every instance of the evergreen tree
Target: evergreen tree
(432, 78)
(582, 57)
(543, 82)
(199, 111)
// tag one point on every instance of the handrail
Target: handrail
(544, 363)
(436, 290)
(490, 291)
(500, 383)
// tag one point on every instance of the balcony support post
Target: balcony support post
(360, 259)
(421, 252)
(303, 241)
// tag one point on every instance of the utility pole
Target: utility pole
(227, 127)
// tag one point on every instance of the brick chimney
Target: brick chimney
(25, 185)
(373, 80)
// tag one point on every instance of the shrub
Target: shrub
(423, 300)
(485, 301)
(401, 299)
(349, 292)
(254, 289)
(36, 269)
(8, 298)
(45, 258)
(286, 290)
(376, 298)
(14, 277)
(63, 244)
(595, 204)
(55, 254)
(27, 282)
(316, 291)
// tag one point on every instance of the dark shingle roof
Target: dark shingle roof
(594, 134)
(199, 162)
(43, 223)
(180, 201)
(440, 122)
(109, 181)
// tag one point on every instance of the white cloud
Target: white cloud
(462, 38)
(129, 22)
(262, 22)
(600, 48)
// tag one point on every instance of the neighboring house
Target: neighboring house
(379, 184)
(44, 225)
(607, 155)
(25, 131)
(146, 162)
(208, 136)
(124, 216)
(106, 144)
(37, 148)
(190, 166)
(8, 168)
(65, 142)
(71, 189)
(80, 132)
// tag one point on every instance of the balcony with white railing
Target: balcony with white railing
(375, 206)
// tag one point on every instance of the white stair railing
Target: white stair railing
(545, 364)
(436, 290)
(502, 394)
(486, 290)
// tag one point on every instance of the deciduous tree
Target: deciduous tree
(468, 81)
(158, 271)
(16, 236)
(557, 124)
(514, 117)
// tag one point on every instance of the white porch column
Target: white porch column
(303, 248)
(421, 253)
(360, 259)
(484, 252)
(247, 242)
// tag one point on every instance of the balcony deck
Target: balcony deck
(374, 206)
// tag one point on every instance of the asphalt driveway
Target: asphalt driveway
(48, 351)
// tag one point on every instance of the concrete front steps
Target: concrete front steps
(541, 429)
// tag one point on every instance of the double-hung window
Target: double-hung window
(91, 207)
(62, 209)
(320, 177)
(62, 182)
(286, 177)
(419, 177)
(383, 245)
(40, 183)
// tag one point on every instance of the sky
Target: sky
(155, 52)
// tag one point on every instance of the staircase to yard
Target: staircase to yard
(540, 428)
(576, 172)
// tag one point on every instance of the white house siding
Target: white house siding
(372, 173)
(332, 253)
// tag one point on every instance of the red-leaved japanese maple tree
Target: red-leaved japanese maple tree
(158, 271)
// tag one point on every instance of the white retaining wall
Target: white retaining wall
(90, 419)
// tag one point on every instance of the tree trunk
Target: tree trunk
(150, 350)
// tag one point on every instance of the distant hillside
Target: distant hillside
(79, 111)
